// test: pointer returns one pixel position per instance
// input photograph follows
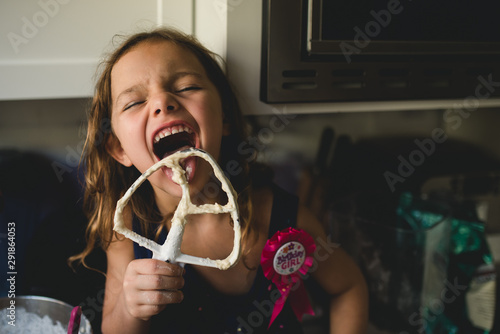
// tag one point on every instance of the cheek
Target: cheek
(213, 103)
(126, 126)
(118, 129)
(217, 116)
(208, 113)
(125, 139)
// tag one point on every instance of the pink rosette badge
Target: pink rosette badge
(285, 257)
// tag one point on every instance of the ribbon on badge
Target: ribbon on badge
(285, 257)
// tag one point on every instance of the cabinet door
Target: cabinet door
(51, 48)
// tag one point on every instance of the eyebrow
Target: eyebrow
(179, 75)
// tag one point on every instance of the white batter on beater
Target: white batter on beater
(171, 250)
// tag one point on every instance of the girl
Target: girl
(162, 91)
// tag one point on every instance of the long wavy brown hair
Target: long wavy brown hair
(106, 180)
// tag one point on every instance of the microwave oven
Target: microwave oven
(358, 50)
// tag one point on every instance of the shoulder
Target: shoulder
(308, 222)
(334, 270)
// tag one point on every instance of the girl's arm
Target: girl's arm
(136, 289)
(337, 273)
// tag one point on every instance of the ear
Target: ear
(115, 149)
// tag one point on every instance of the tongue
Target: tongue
(189, 166)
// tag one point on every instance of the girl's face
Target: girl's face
(163, 101)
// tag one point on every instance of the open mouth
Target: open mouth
(172, 139)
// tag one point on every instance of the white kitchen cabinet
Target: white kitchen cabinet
(51, 48)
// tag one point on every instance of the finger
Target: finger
(160, 282)
(149, 303)
(161, 297)
(155, 267)
(145, 312)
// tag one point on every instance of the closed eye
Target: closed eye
(133, 104)
(186, 89)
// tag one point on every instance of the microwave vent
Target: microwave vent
(300, 85)
(350, 79)
(299, 74)
(376, 81)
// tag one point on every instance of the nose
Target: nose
(165, 103)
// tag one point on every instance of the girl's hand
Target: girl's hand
(149, 285)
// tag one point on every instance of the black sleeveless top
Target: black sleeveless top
(205, 310)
